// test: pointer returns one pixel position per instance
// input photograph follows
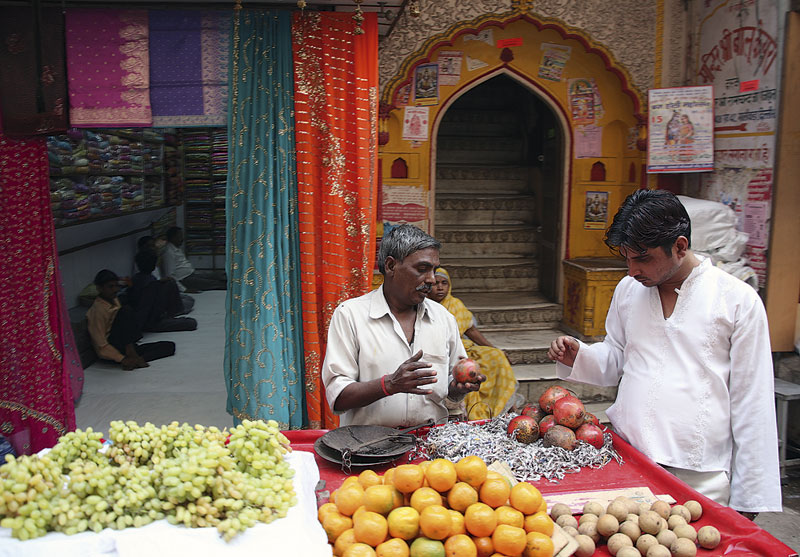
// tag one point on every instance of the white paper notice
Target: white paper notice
(415, 123)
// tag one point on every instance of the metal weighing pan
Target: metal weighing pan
(371, 440)
(334, 456)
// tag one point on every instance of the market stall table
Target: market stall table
(740, 536)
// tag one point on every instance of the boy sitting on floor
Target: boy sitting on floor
(157, 302)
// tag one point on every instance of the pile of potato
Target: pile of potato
(632, 529)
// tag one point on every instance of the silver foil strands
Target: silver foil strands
(490, 442)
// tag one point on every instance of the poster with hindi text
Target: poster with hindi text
(680, 131)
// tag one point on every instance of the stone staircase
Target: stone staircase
(485, 217)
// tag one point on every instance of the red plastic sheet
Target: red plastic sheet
(740, 536)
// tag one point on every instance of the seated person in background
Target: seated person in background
(157, 302)
(391, 352)
(500, 385)
(113, 328)
(148, 243)
(176, 265)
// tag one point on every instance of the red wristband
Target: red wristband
(383, 386)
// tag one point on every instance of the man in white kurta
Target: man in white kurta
(696, 388)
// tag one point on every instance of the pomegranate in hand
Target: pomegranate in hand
(568, 412)
(466, 371)
(550, 396)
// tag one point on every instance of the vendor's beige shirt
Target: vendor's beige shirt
(366, 342)
(100, 318)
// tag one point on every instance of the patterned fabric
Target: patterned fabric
(189, 53)
(33, 85)
(500, 384)
(263, 348)
(107, 65)
(336, 78)
(39, 368)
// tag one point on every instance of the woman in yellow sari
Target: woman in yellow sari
(500, 384)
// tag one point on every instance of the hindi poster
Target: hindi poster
(554, 59)
(588, 142)
(426, 84)
(596, 211)
(680, 134)
(450, 67)
(581, 101)
(415, 123)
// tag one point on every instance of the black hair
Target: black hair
(649, 219)
(172, 232)
(146, 261)
(402, 241)
(105, 276)
(142, 242)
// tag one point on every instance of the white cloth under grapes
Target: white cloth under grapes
(366, 342)
(696, 390)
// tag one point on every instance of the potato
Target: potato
(630, 529)
(661, 507)
(695, 509)
(618, 509)
(588, 517)
(628, 552)
(683, 548)
(632, 518)
(559, 509)
(617, 542)
(681, 510)
(567, 520)
(570, 530)
(662, 524)
(650, 522)
(675, 520)
(708, 537)
(586, 546)
(643, 507)
(645, 542)
(590, 529)
(594, 507)
(666, 537)
(658, 550)
(607, 525)
(685, 531)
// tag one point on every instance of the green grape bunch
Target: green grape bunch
(193, 476)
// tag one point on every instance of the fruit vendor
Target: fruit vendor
(391, 352)
(688, 345)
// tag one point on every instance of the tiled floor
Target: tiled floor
(189, 387)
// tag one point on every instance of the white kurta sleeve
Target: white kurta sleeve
(340, 367)
(755, 477)
(601, 363)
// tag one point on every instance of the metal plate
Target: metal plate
(331, 455)
(349, 437)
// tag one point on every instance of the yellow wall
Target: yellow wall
(620, 116)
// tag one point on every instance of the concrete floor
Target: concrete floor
(189, 387)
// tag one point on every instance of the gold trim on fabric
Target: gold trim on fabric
(51, 337)
(27, 412)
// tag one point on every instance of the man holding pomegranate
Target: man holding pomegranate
(688, 345)
(391, 352)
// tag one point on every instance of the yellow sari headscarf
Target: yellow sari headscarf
(500, 384)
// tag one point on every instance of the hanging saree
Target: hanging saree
(263, 328)
(40, 372)
(336, 92)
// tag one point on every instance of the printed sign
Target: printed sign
(415, 123)
(554, 59)
(596, 210)
(426, 84)
(450, 67)
(680, 133)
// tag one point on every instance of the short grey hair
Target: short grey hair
(402, 241)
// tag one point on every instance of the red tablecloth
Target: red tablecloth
(740, 536)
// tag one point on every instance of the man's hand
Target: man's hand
(564, 349)
(411, 376)
(457, 391)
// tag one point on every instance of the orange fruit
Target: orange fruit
(403, 523)
(538, 545)
(368, 478)
(324, 509)
(480, 519)
(542, 507)
(494, 492)
(461, 496)
(509, 540)
(380, 499)
(370, 528)
(349, 498)
(392, 548)
(435, 522)
(509, 515)
(350, 480)
(425, 547)
(423, 497)
(358, 511)
(484, 546)
(539, 522)
(345, 540)
(335, 524)
(525, 498)
(441, 474)
(459, 525)
(388, 477)
(460, 545)
(472, 470)
(408, 477)
(359, 550)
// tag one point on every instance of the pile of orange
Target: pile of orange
(437, 509)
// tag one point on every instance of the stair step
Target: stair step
(535, 379)
(481, 186)
(481, 274)
(473, 171)
(463, 209)
(474, 142)
(449, 128)
(481, 151)
(478, 240)
(480, 116)
(524, 346)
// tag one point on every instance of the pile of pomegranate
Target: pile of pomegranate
(560, 419)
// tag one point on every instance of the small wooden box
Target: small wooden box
(588, 287)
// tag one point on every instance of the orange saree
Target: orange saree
(336, 102)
